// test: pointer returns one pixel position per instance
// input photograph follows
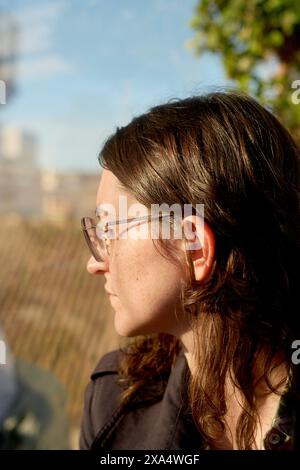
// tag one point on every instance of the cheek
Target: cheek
(142, 278)
(130, 268)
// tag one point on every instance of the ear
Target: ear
(201, 244)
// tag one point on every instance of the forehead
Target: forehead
(110, 189)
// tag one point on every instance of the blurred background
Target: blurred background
(70, 73)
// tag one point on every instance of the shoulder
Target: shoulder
(108, 364)
(159, 423)
(100, 397)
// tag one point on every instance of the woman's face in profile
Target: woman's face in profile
(143, 286)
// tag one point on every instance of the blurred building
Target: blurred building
(20, 187)
(68, 194)
(27, 190)
(8, 54)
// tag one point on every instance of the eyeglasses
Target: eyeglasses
(98, 236)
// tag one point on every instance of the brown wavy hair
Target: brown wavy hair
(226, 151)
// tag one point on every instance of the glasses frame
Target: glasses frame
(105, 229)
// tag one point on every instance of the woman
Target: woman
(213, 314)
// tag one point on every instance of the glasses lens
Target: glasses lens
(95, 244)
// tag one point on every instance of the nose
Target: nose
(96, 267)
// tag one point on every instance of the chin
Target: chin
(128, 329)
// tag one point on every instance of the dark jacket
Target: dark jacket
(164, 424)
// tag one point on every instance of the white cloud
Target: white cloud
(38, 39)
(47, 12)
(37, 26)
(43, 67)
(37, 57)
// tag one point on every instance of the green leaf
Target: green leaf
(275, 38)
(244, 63)
(289, 19)
(246, 35)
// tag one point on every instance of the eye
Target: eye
(105, 231)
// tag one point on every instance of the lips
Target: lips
(107, 290)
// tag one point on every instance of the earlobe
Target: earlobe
(202, 255)
(201, 265)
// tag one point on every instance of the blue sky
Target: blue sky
(86, 67)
